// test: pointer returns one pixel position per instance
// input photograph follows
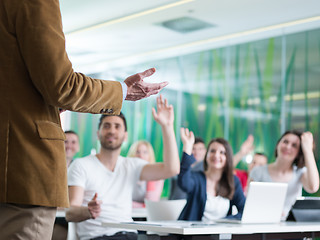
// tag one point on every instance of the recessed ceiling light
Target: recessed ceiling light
(185, 24)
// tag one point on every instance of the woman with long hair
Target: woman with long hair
(210, 194)
(294, 164)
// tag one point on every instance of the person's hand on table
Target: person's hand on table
(94, 207)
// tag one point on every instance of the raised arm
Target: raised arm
(79, 213)
(187, 138)
(245, 149)
(310, 179)
(170, 165)
(185, 180)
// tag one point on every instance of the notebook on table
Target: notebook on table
(264, 203)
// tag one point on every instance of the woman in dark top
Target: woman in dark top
(212, 193)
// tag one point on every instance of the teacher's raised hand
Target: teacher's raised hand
(138, 89)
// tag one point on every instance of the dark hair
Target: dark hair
(225, 186)
(120, 116)
(299, 160)
(260, 154)
(198, 140)
(70, 132)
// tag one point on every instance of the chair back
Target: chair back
(72, 231)
(164, 209)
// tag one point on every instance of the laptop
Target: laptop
(264, 203)
(305, 209)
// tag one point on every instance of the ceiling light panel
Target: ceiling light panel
(186, 24)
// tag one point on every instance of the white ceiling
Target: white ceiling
(119, 41)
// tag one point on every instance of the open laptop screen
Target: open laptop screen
(264, 203)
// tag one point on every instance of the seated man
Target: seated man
(71, 145)
(258, 159)
(100, 186)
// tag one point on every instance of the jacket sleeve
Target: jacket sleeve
(185, 179)
(238, 199)
(38, 29)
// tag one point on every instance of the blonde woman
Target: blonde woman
(145, 190)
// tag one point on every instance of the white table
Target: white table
(196, 230)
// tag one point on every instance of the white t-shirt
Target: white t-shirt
(139, 191)
(216, 207)
(113, 188)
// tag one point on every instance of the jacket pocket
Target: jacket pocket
(50, 130)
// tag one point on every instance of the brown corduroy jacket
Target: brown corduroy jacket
(37, 78)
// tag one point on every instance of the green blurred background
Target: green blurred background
(261, 88)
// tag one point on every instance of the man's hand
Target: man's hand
(138, 89)
(94, 207)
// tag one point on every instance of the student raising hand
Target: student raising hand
(187, 138)
(164, 114)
